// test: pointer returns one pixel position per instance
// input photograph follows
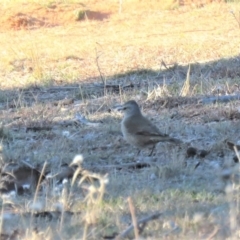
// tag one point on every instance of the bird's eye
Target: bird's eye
(124, 108)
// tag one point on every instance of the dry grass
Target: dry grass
(142, 53)
(122, 42)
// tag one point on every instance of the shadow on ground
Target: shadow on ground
(219, 77)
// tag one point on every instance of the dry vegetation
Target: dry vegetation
(64, 65)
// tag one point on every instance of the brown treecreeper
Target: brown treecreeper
(139, 131)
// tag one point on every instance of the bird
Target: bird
(138, 130)
(19, 178)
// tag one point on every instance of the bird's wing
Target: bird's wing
(146, 133)
(149, 129)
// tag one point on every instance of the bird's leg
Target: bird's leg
(152, 151)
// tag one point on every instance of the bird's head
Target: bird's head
(129, 108)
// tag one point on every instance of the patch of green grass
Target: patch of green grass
(80, 14)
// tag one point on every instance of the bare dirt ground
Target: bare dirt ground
(62, 59)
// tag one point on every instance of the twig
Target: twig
(39, 182)
(186, 85)
(141, 221)
(236, 151)
(134, 219)
(232, 146)
(120, 6)
(164, 64)
(169, 69)
(99, 70)
(213, 233)
(237, 19)
(28, 164)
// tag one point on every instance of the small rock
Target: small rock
(235, 159)
(202, 153)
(191, 152)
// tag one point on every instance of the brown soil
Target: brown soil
(32, 15)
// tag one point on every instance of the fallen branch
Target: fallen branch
(139, 223)
(128, 165)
